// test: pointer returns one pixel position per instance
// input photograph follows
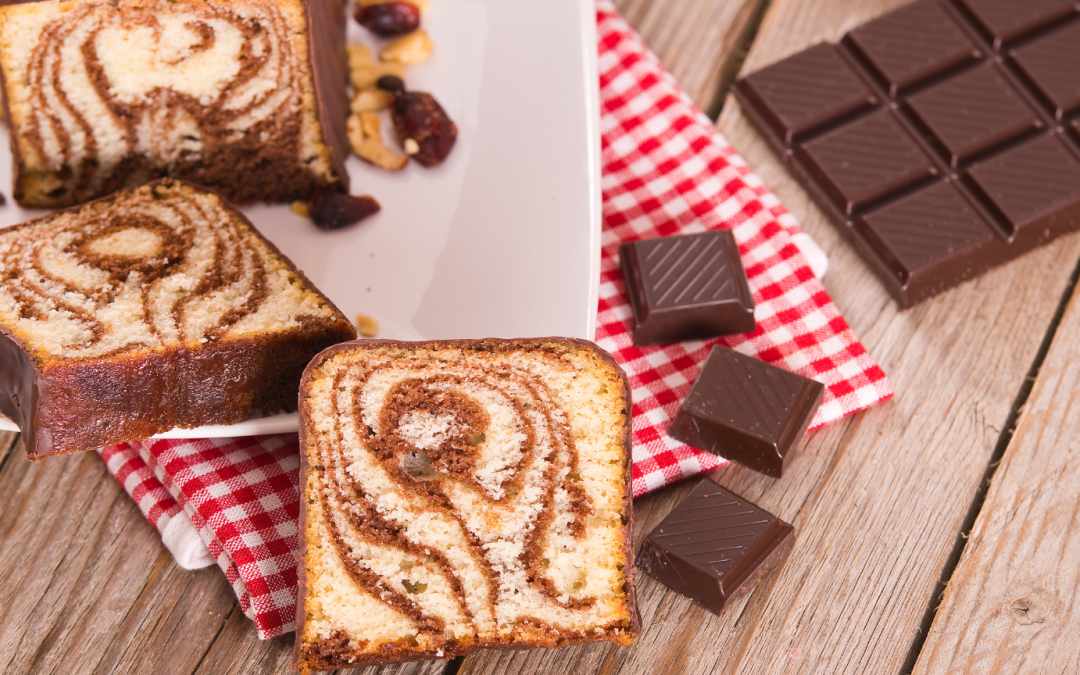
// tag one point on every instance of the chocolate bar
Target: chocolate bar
(686, 287)
(747, 411)
(715, 546)
(941, 138)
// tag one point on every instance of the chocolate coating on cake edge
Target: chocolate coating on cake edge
(332, 657)
(328, 62)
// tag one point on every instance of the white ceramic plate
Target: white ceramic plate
(503, 239)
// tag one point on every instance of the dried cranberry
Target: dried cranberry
(331, 210)
(418, 116)
(389, 18)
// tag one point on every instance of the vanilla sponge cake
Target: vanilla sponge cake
(243, 96)
(462, 494)
(157, 307)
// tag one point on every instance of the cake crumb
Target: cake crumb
(300, 209)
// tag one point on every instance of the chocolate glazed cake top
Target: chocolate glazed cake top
(384, 426)
(243, 124)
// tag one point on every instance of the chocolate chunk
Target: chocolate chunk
(715, 546)
(747, 411)
(921, 235)
(1050, 65)
(1034, 186)
(866, 162)
(1004, 22)
(686, 287)
(907, 158)
(991, 114)
(807, 92)
(912, 45)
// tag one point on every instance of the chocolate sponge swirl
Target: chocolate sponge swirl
(104, 95)
(165, 271)
(465, 496)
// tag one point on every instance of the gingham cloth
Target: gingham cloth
(665, 171)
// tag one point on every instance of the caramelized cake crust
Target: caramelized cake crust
(104, 94)
(460, 495)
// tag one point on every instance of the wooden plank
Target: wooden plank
(87, 583)
(702, 42)
(877, 499)
(1012, 603)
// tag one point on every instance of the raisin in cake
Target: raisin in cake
(462, 494)
(244, 96)
(157, 307)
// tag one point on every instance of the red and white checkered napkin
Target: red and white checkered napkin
(666, 171)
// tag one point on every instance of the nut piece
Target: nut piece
(365, 76)
(359, 55)
(301, 209)
(332, 210)
(418, 117)
(365, 137)
(369, 100)
(389, 19)
(367, 326)
(422, 5)
(410, 50)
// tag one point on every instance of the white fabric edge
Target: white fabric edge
(185, 544)
(815, 257)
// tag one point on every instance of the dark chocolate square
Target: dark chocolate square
(911, 45)
(866, 163)
(715, 546)
(974, 114)
(806, 92)
(930, 239)
(1052, 67)
(686, 287)
(747, 411)
(1004, 22)
(1033, 185)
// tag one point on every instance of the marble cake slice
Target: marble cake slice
(244, 96)
(158, 307)
(462, 494)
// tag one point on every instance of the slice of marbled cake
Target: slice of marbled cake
(463, 494)
(158, 307)
(243, 96)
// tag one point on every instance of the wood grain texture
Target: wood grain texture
(1011, 606)
(877, 499)
(702, 42)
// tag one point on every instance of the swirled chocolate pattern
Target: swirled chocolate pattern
(104, 95)
(158, 267)
(461, 495)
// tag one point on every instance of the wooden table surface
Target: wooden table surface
(937, 533)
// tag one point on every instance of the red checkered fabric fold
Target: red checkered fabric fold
(665, 171)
